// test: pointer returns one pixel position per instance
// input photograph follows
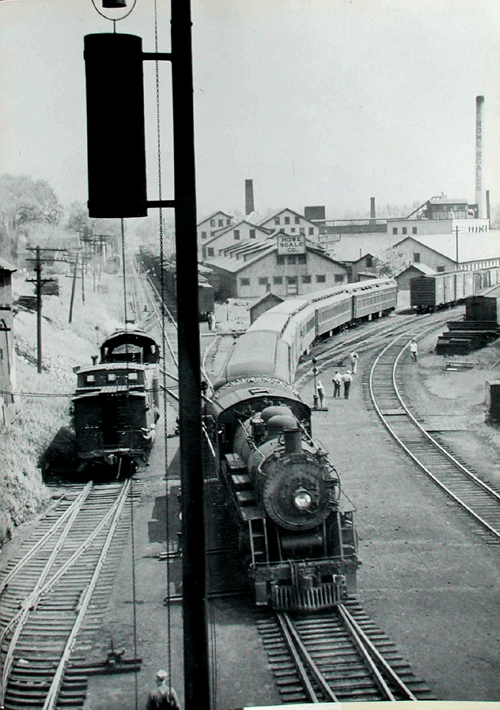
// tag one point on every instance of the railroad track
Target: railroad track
(339, 656)
(454, 477)
(54, 594)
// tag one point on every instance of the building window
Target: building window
(404, 231)
(252, 234)
(297, 220)
(440, 269)
(301, 258)
(203, 235)
(292, 259)
(320, 278)
(369, 261)
(244, 282)
(287, 220)
(210, 251)
(306, 279)
(212, 222)
(394, 230)
(236, 233)
(339, 278)
(416, 257)
(228, 222)
(221, 222)
(280, 260)
(212, 234)
(277, 279)
(263, 280)
(276, 220)
(413, 230)
(302, 230)
(311, 230)
(292, 229)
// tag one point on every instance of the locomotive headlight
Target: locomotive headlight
(302, 499)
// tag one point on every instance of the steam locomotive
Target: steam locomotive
(116, 402)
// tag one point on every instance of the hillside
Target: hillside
(44, 398)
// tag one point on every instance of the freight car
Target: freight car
(115, 406)
(442, 290)
(151, 264)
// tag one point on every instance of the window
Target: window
(291, 279)
(276, 220)
(89, 379)
(311, 230)
(203, 235)
(413, 230)
(221, 222)
(306, 279)
(252, 234)
(297, 220)
(236, 233)
(404, 231)
(228, 222)
(212, 222)
(244, 282)
(440, 269)
(132, 376)
(210, 251)
(277, 279)
(212, 234)
(301, 258)
(292, 259)
(292, 285)
(111, 377)
(302, 230)
(339, 278)
(287, 220)
(369, 261)
(416, 257)
(320, 278)
(394, 230)
(280, 260)
(292, 229)
(263, 280)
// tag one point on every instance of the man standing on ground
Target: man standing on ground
(162, 697)
(354, 361)
(413, 350)
(347, 379)
(337, 381)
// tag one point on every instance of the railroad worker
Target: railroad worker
(413, 350)
(162, 697)
(347, 379)
(337, 382)
(354, 361)
(321, 392)
(211, 320)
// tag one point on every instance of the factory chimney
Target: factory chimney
(480, 197)
(373, 213)
(249, 206)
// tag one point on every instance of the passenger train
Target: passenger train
(116, 402)
(296, 527)
(442, 290)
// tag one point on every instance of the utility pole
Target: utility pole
(39, 284)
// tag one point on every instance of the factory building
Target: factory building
(234, 234)
(291, 222)
(215, 222)
(403, 279)
(286, 265)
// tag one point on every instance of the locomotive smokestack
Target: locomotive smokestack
(373, 214)
(480, 197)
(249, 205)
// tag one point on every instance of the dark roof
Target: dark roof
(5, 266)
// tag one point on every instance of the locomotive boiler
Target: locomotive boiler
(296, 528)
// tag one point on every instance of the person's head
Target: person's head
(348, 372)
(161, 677)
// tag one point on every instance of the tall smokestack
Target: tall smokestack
(373, 214)
(249, 206)
(480, 197)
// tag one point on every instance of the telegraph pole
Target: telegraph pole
(39, 283)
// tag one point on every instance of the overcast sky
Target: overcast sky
(324, 102)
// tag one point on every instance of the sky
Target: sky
(319, 102)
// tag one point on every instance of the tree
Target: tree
(24, 202)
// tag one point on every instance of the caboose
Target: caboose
(115, 406)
